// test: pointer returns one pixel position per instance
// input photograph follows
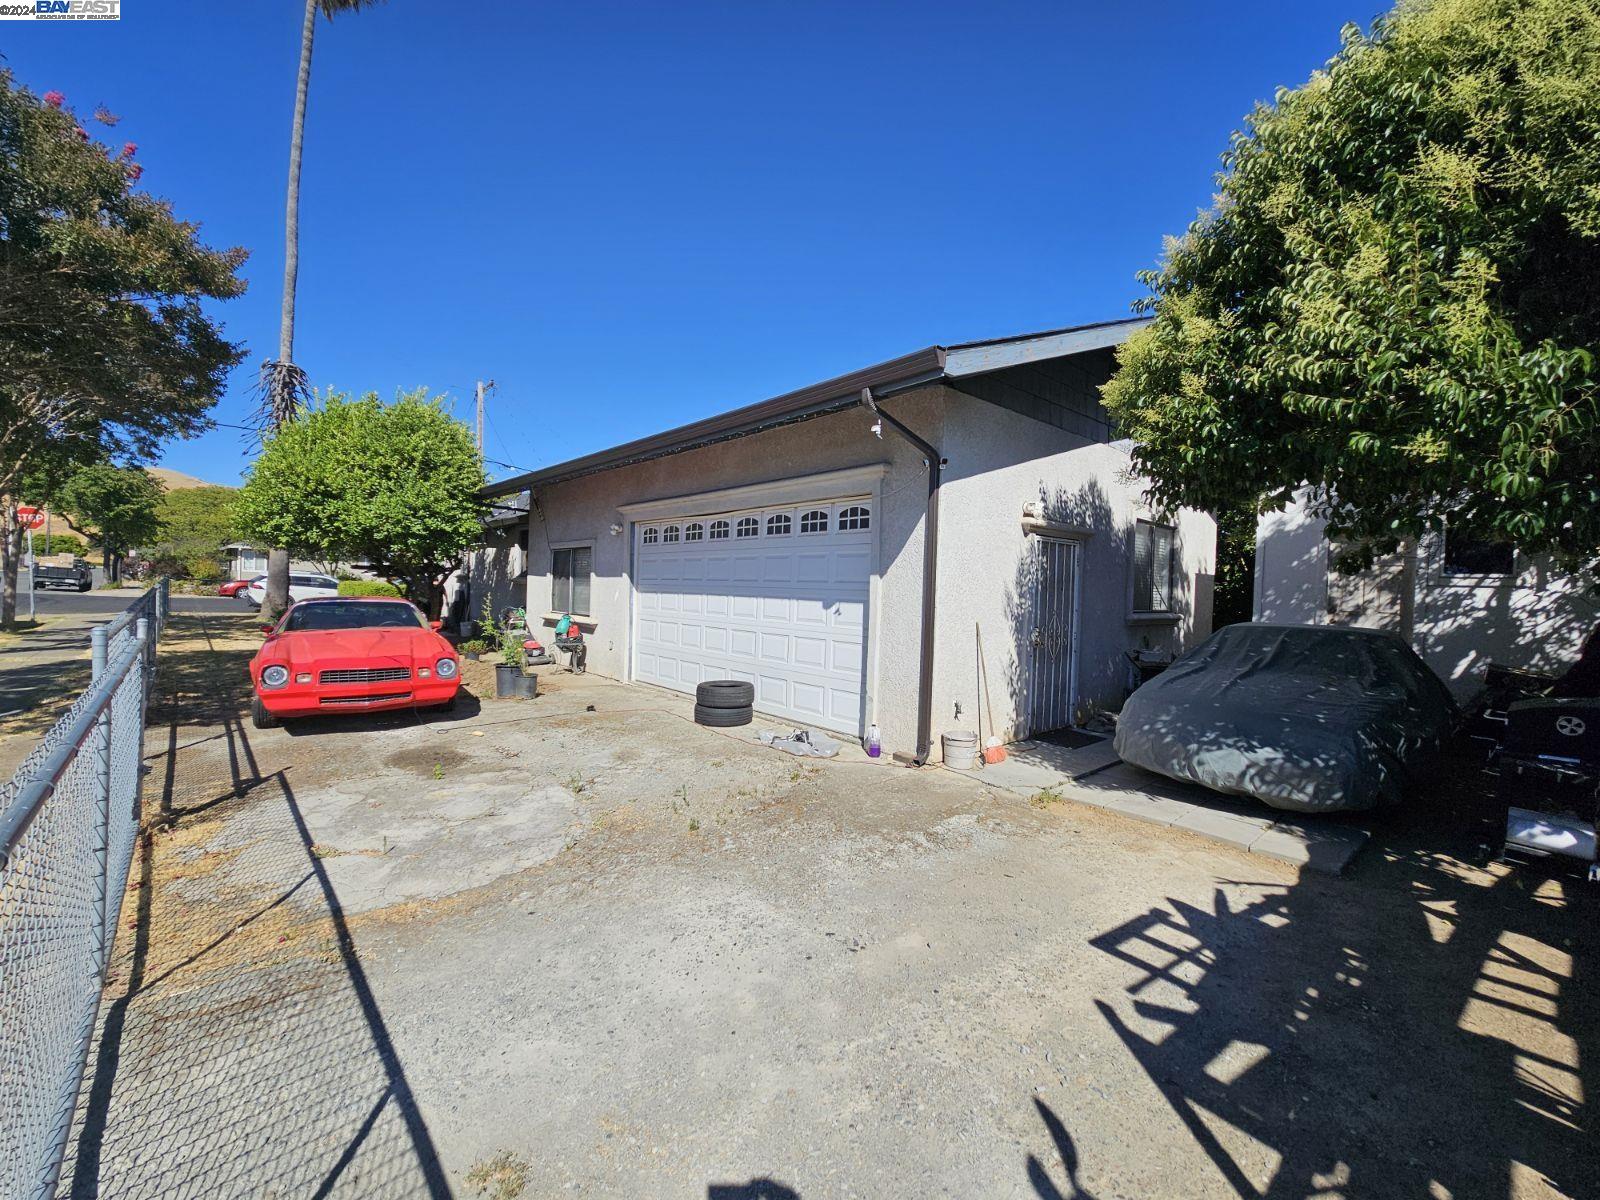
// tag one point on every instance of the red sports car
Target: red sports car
(234, 586)
(346, 655)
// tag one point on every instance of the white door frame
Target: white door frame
(1073, 619)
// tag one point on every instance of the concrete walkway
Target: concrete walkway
(1094, 775)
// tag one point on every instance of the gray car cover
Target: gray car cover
(1309, 718)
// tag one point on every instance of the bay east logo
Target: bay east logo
(60, 10)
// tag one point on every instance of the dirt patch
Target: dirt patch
(431, 761)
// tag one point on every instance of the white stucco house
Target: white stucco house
(1462, 604)
(843, 546)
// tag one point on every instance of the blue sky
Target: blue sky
(632, 215)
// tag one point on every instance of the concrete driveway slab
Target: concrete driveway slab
(357, 968)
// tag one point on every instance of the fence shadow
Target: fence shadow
(243, 1051)
(1425, 1027)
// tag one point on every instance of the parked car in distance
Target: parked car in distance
(351, 655)
(301, 587)
(1309, 718)
(78, 575)
(235, 587)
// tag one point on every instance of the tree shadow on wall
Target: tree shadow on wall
(1104, 564)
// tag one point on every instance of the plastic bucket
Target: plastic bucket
(960, 750)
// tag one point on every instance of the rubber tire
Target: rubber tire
(724, 693)
(722, 718)
(260, 717)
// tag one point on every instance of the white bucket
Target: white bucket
(960, 750)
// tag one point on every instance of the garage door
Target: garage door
(773, 596)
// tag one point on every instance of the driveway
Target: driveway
(580, 946)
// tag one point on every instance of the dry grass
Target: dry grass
(499, 1178)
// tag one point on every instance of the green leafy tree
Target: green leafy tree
(195, 524)
(391, 485)
(284, 383)
(106, 349)
(1396, 298)
(121, 505)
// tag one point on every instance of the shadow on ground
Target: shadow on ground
(1427, 1026)
(242, 1051)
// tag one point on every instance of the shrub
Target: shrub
(59, 543)
(367, 587)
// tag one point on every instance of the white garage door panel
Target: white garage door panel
(781, 609)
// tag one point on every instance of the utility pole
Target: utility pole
(480, 413)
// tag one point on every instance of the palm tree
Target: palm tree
(283, 384)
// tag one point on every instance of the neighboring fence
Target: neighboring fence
(69, 819)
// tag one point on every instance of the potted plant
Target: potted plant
(473, 648)
(510, 680)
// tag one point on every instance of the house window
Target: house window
(669, 534)
(569, 581)
(694, 532)
(651, 536)
(749, 527)
(719, 530)
(1469, 556)
(854, 517)
(1152, 567)
(815, 521)
(780, 525)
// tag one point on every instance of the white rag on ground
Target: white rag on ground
(802, 742)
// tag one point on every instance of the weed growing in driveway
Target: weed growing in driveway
(694, 824)
(499, 1178)
(325, 851)
(1045, 797)
(438, 770)
(681, 796)
(577, 784)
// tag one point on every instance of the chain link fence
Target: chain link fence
(69, 820)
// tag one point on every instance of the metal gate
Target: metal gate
(1053, 649)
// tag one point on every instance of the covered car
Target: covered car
(1308, 718)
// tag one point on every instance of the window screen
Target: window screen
(1152, 567)
(570, 577)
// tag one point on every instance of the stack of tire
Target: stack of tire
(723, 702)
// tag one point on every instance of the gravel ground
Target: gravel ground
(541, 950)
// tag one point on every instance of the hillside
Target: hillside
(175, 481)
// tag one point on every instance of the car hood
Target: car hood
(381, 646)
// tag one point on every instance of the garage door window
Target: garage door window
(652, 535)
(570, 578)
(779, 525)
(669, 534)
(815, 521)
(749, 527)
(857, 516)
(719, 530)
(694, 532)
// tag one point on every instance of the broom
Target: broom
(993, 751)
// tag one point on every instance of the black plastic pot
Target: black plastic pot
(512, 683)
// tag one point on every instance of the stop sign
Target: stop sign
(30, 517)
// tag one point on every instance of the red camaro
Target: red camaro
(234, 586)
(347, 655)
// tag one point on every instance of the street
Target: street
(107, 604)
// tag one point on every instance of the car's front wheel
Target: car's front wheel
(260, 717)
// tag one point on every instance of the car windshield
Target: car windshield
(351, 614)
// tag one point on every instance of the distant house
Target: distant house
(245, 561)
(794, 543)
(1461, 603)
(497, 571)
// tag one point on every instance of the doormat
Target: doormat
(1071, 739)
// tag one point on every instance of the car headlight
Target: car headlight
(274, 676)
(445, 668)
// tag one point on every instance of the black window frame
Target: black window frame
(564, 573)
(1144, 596)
